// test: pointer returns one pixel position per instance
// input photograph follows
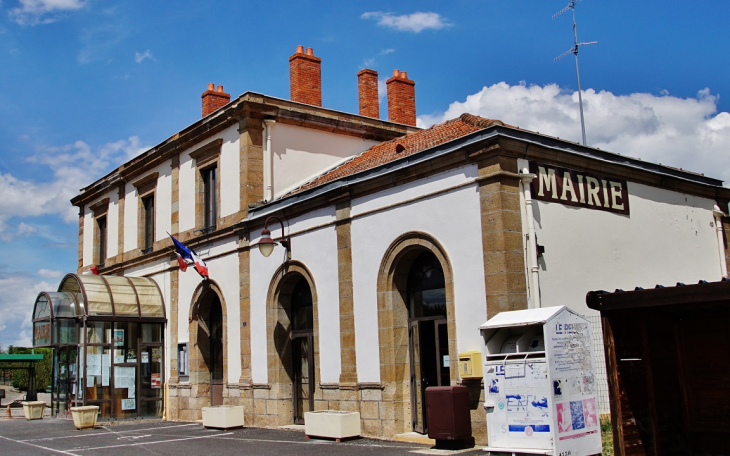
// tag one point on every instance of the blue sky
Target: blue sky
(85, 85)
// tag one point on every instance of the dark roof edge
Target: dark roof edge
(467, 140)
(660, 296)
(385, 168)
(611, 157)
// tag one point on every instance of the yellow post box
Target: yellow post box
(470, 364)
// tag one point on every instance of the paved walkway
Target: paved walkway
(58, 436)
(17, 412)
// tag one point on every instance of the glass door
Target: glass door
(124, 374)
(303, 357)
(429, 348)
(417, 389)
(151, 371)
(64, 380)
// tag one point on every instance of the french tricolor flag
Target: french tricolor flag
(187, 256)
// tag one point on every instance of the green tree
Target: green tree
(42, 368)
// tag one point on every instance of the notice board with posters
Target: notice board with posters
(540, 392)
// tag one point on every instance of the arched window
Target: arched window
(426, 287)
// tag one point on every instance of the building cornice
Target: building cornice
(250, 104)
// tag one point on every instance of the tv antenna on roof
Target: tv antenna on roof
(574, 51)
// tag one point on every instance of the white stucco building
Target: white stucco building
(402, 242)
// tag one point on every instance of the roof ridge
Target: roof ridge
(479, 121)
(402, 146)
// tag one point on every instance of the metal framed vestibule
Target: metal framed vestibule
(107, 336)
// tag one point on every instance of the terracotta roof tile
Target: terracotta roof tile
(404, 146)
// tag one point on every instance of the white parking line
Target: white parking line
(38, 446)
(109, 431)
(151, 443)
(323, 441)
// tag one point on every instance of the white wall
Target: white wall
(186, 188)
(130, 217)
(224, 270)
(112, 228)
(112, 225)
(301, 153)
(666, 239)
(230, 174)
(163, 202)
(317, 250)
(88, 247)
(453, 219)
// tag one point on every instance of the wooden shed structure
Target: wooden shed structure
(668, 362)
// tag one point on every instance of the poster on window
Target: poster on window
(128, 404)
(156, 354)
(156, 381)
(119, 338)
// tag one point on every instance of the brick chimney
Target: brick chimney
(214, 99)
(401, 99)
(305, 77)
(367, 87)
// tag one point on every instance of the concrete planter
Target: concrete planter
(332, 424)
(85, 417)
(223, 416)
(33, 410)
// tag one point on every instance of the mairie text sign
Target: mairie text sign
(575, 188)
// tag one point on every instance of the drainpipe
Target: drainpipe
(719, 214)
(268, 161)
(532, 266)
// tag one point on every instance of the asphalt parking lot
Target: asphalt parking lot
(53, 436)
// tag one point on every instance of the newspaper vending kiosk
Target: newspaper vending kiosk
(540, 393)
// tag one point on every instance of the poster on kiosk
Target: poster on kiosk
(540, 391)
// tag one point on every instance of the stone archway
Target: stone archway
(393, 322)
(279, 346)
(208, 365)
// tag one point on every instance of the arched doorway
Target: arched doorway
(417, 330)
(293, 341)
(302, 342)
(428, 334)
(208, 331)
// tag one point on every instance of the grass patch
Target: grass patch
(606, 435)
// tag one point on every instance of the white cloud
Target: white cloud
(16, 306)
(34, 12)
(685, 133)
(99, 38)
(139, 57)
(415, 22)
(50, 273)
(71, 165)
(21, 230)
(370, 62)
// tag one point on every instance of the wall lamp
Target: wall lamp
(266, 244)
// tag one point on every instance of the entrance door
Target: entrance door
(429, 350)
(64, 388)
(215, 325)
(151, 371)
(302, 343)
(428, 334)
(303, 357)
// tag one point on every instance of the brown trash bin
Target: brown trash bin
(447, 412)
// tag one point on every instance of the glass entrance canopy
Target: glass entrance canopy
(107, 338)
